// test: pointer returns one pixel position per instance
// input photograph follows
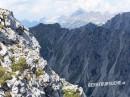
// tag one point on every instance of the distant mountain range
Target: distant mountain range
(81, 18)
(78, 18)
(90, 53)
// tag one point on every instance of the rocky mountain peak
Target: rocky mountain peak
(5, 11)
(6, 18)
(119, 22)
(23, 73)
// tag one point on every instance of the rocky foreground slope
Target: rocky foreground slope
(23, 73)
(90, 54)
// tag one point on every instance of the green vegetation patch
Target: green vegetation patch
(2, 71)
(1, 26)
(4, 75)
(39, 72)
(21, 65)
(71, 93)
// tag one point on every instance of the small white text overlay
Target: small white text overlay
(103, 84)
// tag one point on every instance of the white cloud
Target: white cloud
(51, 9)
(111, 6)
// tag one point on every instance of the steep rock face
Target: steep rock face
(23, 73)
(50, 36)
(90, 54)
(119, 22)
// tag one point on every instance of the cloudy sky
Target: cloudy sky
(35, 9)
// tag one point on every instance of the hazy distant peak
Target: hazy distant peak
(79, 12)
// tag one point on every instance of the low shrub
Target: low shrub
(1, 26)
(71, 93)
(2, 71)
(21, 65)
(39, 72)
(4, 75)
